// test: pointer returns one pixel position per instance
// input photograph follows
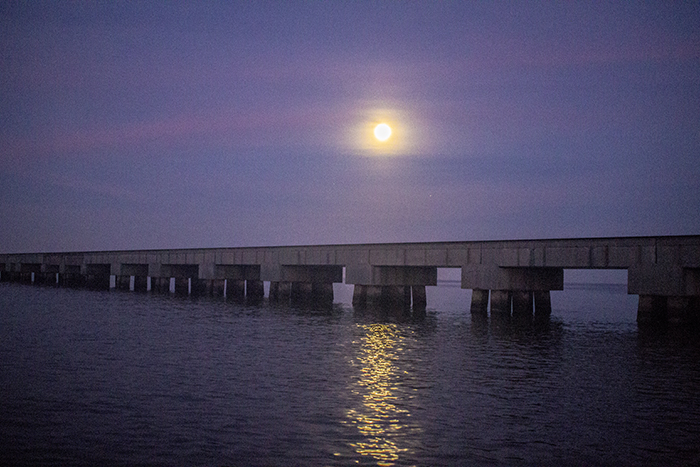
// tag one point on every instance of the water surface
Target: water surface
(118, 378)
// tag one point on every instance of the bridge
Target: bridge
(513, 276)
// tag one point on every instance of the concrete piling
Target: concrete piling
(255, 291)
(322, 294)
(301, 294)
(480, 302)
(543, 303)
(501, 301)
(418, 296)
(651, 309)
(218, 287)
(235, 289)
(359, 296)
(522, 302)
(274, 292)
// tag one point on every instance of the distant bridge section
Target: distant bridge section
(506, 277)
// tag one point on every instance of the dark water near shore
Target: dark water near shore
(117, 378)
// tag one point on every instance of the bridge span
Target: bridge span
(513, 276)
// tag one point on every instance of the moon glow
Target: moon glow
(382, 132)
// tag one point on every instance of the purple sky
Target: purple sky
(130, 125)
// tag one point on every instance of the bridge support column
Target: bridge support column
(201, 287)
(302, 285)
(285, 292)
(359, 296)
(679, 310)
(366, 295)
(390, 286)
(274, 291)
(69, 280)
(397, 296)
(42, 278)
(160, 284)
(543, 303)
(123, 282)
(46, 278)
(418, 295)
(97, 281)
(301, 293)
(656, 309)
(651, 309)
(280, 292)
(392, 296)
(522, 302)
(372, 295)
(523, 306)
(501, 301)
(255, 291)
(182, 285)
(235, 289)
(480, 302)
(140, 283)
(523, 290)
(218, 287)
(322, 294)
(314, 294)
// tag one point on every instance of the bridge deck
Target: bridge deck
(662, 266)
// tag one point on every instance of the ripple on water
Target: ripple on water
(117, 378)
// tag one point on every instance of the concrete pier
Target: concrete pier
(160, 284)
(543, 303)
(501, 301)
(235, 289)
(280, 292)
(218, 287)
(123, 282)
(654, 309)
(302, 294)
(515, 276)
(389, 296)
(419, 299)
(480, 302)
(254, 291)
(322, 294)
(522, 302)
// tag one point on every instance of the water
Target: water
(117, 378)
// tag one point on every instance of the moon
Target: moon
(382, 132)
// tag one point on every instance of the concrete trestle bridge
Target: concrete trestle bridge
(513, 276)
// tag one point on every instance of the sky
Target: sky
(145, 125)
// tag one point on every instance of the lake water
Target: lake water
(121, 378)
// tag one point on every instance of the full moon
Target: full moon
(382, 132)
